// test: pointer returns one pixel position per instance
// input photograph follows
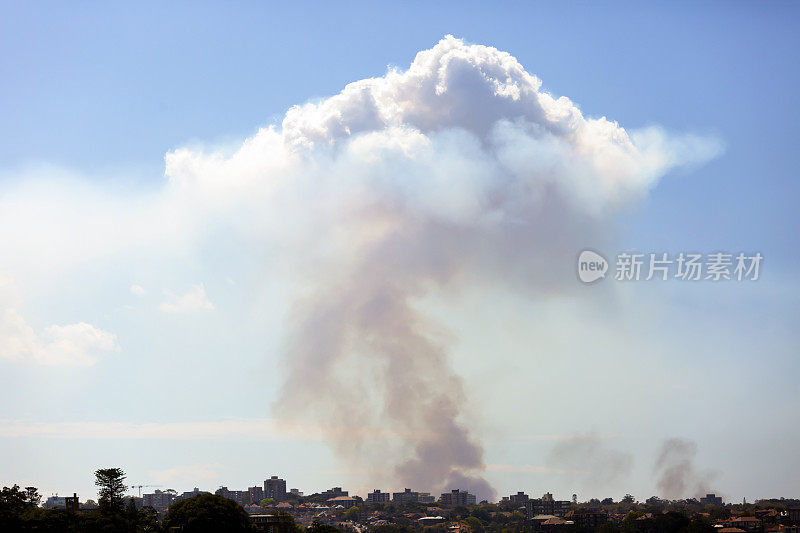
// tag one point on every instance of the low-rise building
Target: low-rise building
(242, 497)
(554, 523)
(158, 500)
(520, 498)
(191, 494)
(780, 528)
(376, 496)
(747, 523)
(71, 503)
(335, 492)
(55, 502)
(457, 497)
(711, 499)
(587, 519)
(406, 496)
(547, 505)
(255, 494)
(344, 501)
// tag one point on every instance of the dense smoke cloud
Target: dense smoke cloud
(677, 476)
(458, 172)
(458, 168)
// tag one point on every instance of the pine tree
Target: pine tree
(112, 488)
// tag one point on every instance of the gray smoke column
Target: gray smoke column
(456, 173)
(678, 477)
(594, 462)
(371, 314)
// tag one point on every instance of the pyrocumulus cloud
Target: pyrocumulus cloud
(458, 171)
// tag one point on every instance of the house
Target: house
(345, 501)
(746, 523)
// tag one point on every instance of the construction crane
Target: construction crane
(140, 487)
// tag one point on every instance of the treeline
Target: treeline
(206, 513)
(20, 511)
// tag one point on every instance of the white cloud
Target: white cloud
(137, 290)
(194, 300)
(78, 344)
(75, 344)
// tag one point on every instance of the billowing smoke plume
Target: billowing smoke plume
(593, 461)
(677, 476)
(458, 172)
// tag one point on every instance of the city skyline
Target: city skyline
(256, 494)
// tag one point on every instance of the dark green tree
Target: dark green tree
(351, 514)
(482, 513)
(147, 520)
(285, 523)
(608, 527)
(112, 489)
(475, 524)
(102, 522)
(13, 503)
(32, 495)
(700, 525)
(130, 509)
(51, 521)
(207, 513)
(671, 521)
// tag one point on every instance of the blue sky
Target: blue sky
(94, 95)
